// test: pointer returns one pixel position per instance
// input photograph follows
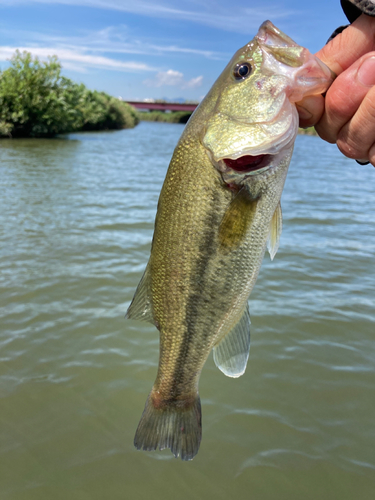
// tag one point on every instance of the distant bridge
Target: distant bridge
(162, 106)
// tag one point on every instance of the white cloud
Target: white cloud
(114, 40)
(75, 59)
(173, 78)
(194, 82)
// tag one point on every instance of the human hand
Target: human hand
(346, 116)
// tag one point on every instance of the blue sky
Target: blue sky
(141, 49)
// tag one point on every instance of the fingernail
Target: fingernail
(304, 113)
(366, 72)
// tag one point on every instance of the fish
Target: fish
(218, 210)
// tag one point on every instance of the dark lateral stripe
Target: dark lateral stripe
(207, 249)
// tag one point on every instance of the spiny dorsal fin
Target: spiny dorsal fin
(140, 307)
(275, 232)
(232, 352)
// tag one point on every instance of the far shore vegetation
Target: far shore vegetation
(37, 101)
(307, 131)
(162, 116)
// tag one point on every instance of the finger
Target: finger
(371, 155)
(355, 41)
(310, 110)
(357, 137)
(345, 95)
(339, 54)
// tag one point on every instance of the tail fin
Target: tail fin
(173, 426)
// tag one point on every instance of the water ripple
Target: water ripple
(77, 223)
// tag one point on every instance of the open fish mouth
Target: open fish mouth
(248, 164)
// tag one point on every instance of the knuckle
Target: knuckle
(349, 146)
(356, 138)
(325, 133)
(348, 150)
(340, 105)
(368, 108)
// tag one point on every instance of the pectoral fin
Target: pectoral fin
(140, 307)
(275, 232)
(232, 352)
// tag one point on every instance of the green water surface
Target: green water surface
(76, 222)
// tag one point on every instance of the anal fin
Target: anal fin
(140, 307)
(232, 352)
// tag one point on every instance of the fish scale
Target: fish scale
(212, 226)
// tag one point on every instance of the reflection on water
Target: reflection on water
(76, 220)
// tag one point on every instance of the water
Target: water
(76, 218)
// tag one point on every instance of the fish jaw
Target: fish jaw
(251, 170)
(307, 74)
(266, 121)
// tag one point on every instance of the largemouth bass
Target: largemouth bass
(218, 208)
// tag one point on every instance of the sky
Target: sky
(154, 49)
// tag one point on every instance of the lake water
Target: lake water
(76, 222)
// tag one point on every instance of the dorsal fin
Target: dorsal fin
(275, 232)
(140, 307)
(232, 352)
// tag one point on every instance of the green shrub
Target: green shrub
(37, 101)
(104, 112)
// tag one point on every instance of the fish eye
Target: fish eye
(242, 70)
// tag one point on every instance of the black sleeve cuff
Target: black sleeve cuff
(354, 8)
